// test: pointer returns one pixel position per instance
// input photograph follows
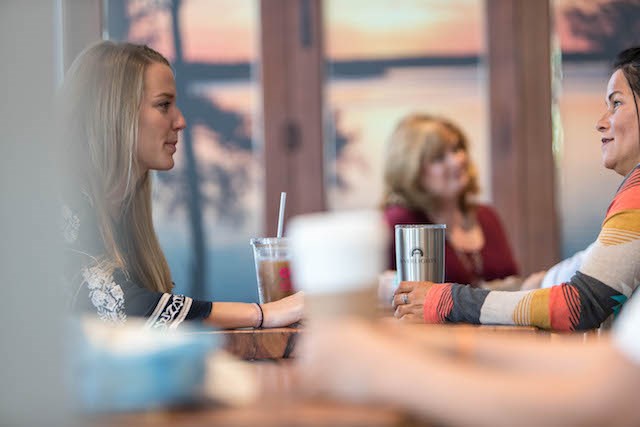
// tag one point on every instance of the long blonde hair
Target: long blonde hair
(416, 140)
(103, 91)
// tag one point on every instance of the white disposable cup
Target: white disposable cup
(336, 259)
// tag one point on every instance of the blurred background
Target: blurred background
(381, 60)
(300, 96)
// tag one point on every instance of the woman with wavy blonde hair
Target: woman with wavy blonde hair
(429, 178)
(120, 122)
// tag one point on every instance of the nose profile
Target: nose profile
(602, 125)
(180, 122)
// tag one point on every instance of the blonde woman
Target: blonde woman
(120, 122)
(429, 178)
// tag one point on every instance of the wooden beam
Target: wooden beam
(523, 183)
(291, 72)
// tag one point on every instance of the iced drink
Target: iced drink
(273, 273)
(274, 278)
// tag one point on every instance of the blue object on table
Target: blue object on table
(137, 369)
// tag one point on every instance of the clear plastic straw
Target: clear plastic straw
(283, 201)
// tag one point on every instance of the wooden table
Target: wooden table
(256, 344)
(271, 414)
(279, 343)
(278, 406)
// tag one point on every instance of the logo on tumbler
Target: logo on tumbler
(417, 257)
(417, 251)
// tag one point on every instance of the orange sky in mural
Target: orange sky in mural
(220, 30)
(390, 28)
(228, 30)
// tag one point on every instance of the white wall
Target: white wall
(34, 299)
(31, 314)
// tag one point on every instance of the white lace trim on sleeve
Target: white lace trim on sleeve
(170, 312)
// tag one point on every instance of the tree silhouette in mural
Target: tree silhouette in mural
(609, 27)
(340, 140)
(227, 125)
(190, 172)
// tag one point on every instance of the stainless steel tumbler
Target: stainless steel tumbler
(420, 252)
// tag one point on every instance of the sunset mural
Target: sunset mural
(216, 31)
(363, 109)
(399, 28)
(368, 104)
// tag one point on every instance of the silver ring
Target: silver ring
(405, 299)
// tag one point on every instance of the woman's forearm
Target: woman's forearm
(229, 315)
(377, 367)
(457, 393)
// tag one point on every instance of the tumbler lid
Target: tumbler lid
(436, 226)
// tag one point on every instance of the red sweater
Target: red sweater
(497, 260)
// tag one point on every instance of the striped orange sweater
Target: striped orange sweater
(608, 276)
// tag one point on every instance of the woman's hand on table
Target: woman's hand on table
(283, 312)
(408, 301)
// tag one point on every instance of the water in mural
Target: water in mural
(209, 205)
(589, 33)
(427, 55)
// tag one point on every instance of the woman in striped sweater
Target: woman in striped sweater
(498, 380)
(610, 271)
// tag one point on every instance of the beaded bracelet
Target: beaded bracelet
(261, 316)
